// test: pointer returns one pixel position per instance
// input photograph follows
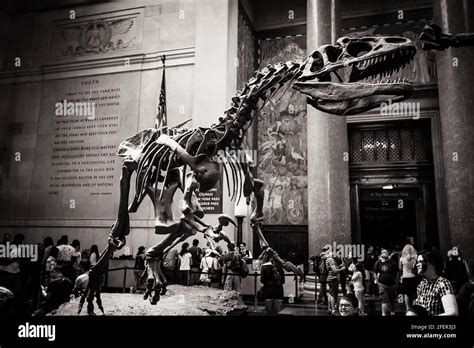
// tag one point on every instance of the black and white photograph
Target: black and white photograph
(224, 169)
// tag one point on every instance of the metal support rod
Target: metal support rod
(296, 288)
(240, 220)
(255, 300)
(315, 289)
(124, 279)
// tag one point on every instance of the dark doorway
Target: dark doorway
(388, 217)
(389, 161)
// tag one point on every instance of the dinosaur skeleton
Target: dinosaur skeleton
(337, 79)
(434, 39)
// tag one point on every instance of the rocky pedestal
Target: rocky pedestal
(179, 300)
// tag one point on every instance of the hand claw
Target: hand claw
(256, 219)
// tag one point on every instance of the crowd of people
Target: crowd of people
(423, 281)
(61, 272)
(37, 287)
(200, 266)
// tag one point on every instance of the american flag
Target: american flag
(161, 116)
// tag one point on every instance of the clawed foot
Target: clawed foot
(156, 297)
(149, 288)
(156, 290)
(92, 291)
(154, 300)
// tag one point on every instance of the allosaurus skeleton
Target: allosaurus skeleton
(339, 79)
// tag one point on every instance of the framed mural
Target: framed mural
(281, 141)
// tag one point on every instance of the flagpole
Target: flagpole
(161, 115)
(163, 60)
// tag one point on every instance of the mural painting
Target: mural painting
(282, 162)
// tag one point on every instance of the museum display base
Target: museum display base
(179, 300)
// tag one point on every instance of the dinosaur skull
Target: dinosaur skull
(352, 77)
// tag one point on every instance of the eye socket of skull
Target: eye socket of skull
(359, 48)
(333, 53)
(344, 40)
(318, 61)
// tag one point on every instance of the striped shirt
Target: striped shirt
(331, 274)
(429, 294)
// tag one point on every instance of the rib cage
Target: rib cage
(227, 134)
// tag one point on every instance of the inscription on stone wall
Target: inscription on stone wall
(83, 147)
(82, 122)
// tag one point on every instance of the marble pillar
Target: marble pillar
(328, 171)
(215, 76)
(455, 78)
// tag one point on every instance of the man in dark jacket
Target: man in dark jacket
(196, 255)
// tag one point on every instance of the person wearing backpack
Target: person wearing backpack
(210, 268)
(232, 269)
(272, 277)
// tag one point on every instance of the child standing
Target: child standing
(358, 283)
(184, 264)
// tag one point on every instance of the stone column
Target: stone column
(328, 172)
(215, 78)
(457, 125)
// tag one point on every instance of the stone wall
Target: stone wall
(59, 173)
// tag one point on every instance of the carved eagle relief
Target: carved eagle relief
(96, 36)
